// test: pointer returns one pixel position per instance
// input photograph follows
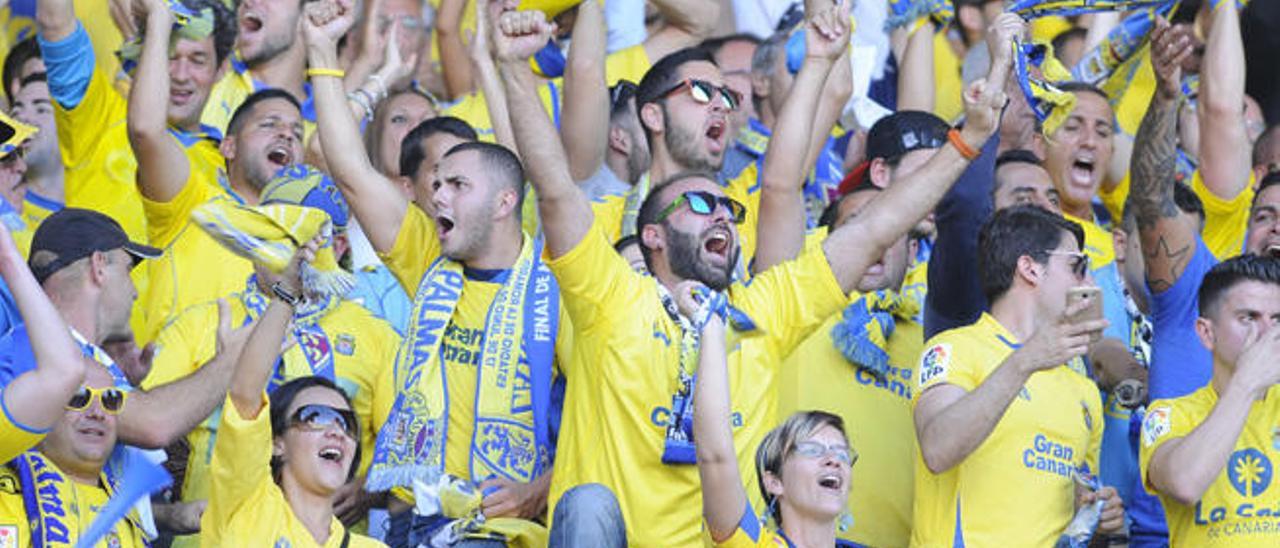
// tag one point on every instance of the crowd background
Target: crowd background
(640, 272)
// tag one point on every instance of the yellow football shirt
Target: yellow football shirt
(877, 418)
(71, 508)
(15, 437)
(363, 346)
(623, 374)
(247, 508)
(195, 268)
(417, 246)
(1240, 507)
(1098, 242)
(948, 101)
(1050, 430)
(1225, 221)
(236, 85)
(750, 534)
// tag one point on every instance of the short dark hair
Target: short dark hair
(500, 163)
(1187, 201)
(243, 111)
(831, 213)
(653, 205)
(224, 25)
(411, 151)
(22, 52)
(664, 74)
(282, 398)
(1084, 87)
(714, 45)
(1012, 233)
(1226, 274)
(625, 241)
(1018, 156)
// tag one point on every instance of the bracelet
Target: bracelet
(336, 73)
(285, 296)
(965, 150)
(361, 98)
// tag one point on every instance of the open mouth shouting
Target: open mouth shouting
(716, 134)
(831, 482)
(280, 155)
(250, 22)
(1082, 170)
(444, 224)
(718, 243)
(1272, 250)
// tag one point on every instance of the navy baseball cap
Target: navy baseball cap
(895, 135)
(72, 234)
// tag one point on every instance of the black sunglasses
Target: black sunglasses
(704, 203)
(320, 417)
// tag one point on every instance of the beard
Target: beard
(270, 47)
(685, 147)
(683, 257)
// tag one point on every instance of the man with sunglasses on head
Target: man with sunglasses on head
(1007, 401)
(50, 495)
(633, 436)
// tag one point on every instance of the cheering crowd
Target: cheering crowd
(651, 273)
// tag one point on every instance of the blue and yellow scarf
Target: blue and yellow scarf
(45, 497)
(862, 334)
(511, 438)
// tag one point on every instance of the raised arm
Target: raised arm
(584, 122)
(377, 203)
(37, 399)
(856, 245)
(916, 90)
(257, 361)
(158, 417)
(1224, 145)
(723, 498)
(56, 19)
(1168, 239)
(688, 23)
(162, 165)
(565, 212)
(486, 74)
(781, 229)
(455, 64)
(1184, 468)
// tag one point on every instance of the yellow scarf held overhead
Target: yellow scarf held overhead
(269, 236)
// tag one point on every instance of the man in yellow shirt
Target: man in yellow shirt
(30, 103)
(93, 133)
(56, 490)
(269, 54)
(485, 326)
(1210, 454)
(1005, 401)
(624, 422)
(867, 379)
(263, 137)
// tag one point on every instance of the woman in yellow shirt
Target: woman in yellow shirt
(803, 465)
(275, 474)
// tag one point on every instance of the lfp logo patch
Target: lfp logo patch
(1249, 471)
(1155, 425)
(934, 363)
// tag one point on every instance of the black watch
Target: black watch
(284, 295)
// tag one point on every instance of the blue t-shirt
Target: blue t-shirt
(1180, 365)
(383, 296)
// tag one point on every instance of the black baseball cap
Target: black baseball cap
(73, 234)
(895, 135)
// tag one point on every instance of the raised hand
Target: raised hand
(827, 32)
(519, 34)
(395, 67)
(1170, 46)
(1058, 342)
(478, 40)
(326, 21)
(145, 9)
(1255, 369)
(1000, 38)
(230, 341)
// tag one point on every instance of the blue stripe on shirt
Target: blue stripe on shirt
(68, 65)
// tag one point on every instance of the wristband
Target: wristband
(965, 150)
(336, 73)
(285, 296)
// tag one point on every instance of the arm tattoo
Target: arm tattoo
(1152, 167)
(1176, 259)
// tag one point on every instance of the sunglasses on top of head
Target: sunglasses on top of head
(704, 92)
(704, 203)
(317, 417)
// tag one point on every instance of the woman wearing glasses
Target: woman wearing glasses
(803, 465)
(275, 474)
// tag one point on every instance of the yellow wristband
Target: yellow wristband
(336, 73)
